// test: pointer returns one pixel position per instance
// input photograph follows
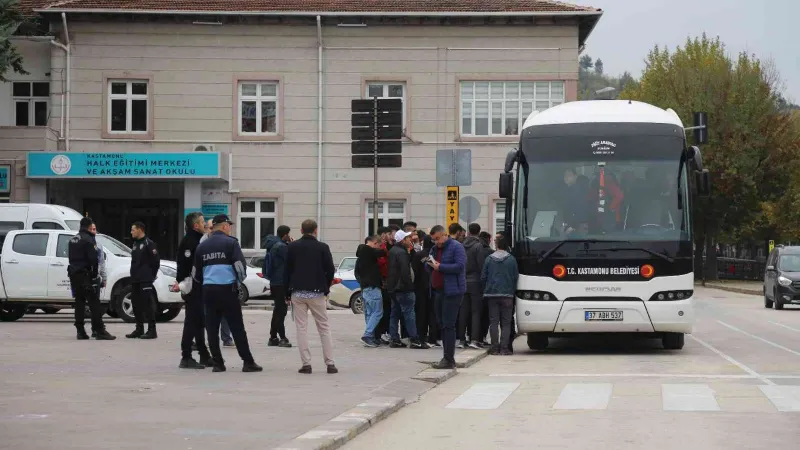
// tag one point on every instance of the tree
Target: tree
(10, 21)
(750, 137)
(585, 62)
(598, 66)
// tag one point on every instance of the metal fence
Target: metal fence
(739, 269)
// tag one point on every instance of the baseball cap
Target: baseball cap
(221, 218)
(400, 235)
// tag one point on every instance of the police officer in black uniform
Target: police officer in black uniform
(84, 279)
(194, 322)
(219, 267)
(145, 263)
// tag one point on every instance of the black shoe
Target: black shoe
(417, 344)
(505, 352)
(82, 336)
(94, 334)
(397, 344)
(285, 343)
(305, 369)
(332, 369)
(190, 363)
(495, 350)
(219, 368)
(137, 333)
(273, 342)
(444, 364)
(207, 361)
(104, 335)
(251, 367)
(151, 334)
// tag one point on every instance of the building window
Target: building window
(499, 108)
(499, 216)
(128, 111)
(31, 103)
(256, 221)
(388, 89)
(258, 108)
(390, 212)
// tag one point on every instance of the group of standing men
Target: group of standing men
(436, 286)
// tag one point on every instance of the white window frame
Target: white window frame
(31, 100)
(498, 216)
(383, 213)
(257, 216)
(385, 94)
(259, 99)
(507, 97)
(128, 96)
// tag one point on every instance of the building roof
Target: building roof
(603, 111)
(354, 6)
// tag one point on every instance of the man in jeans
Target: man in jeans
(448, 266)
(309, 275)
(499, 276)
(368, 274)
(400, 286)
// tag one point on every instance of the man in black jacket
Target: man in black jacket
(469, 317)
(145, 263)
(400, 286)
(194, 322)
(427, 329)
(275, 271)
(84, 277)
(309, 275)
(368, 275)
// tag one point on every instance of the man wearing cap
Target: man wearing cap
(219, 267)
(400, 286)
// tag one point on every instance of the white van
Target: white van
(36, 216)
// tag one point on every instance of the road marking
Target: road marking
(766, 341)
(785, 398)
(631, 375)
(785, 326)
(584, 396)
(484, 396)
(688, 397)
(731, 360)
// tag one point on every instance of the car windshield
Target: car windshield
(790, 263)
(112, 245)
(347, 264)
(74, 225)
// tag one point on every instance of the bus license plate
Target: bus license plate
(603, 315)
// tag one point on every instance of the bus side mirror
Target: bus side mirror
(511, 158)
(703, 183)
(506, 187)
(700, 128)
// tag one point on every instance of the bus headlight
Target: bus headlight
(669, 296)
(783, 281)
(537, 296)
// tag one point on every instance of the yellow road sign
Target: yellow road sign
(771, 246)
(451, 215)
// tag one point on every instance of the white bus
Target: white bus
(598, 212)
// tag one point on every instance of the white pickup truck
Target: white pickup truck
(33, 274)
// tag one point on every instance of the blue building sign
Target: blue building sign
(5, 179)
(213, 209)
(123, 165)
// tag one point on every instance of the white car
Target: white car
(254, 286)
(346, 293)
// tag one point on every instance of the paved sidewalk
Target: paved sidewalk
(129, 394)
(741, 287)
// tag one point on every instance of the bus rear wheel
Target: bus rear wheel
(538, 341)
(673, 341)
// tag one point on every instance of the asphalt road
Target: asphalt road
(735, 385)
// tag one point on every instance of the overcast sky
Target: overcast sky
(628, 29)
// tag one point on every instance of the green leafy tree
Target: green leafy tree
(10, 21)
(586, 62)
(598, 66)
(750, 137)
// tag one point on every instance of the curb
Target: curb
(257, 308)
(734, 289)
(345, 427)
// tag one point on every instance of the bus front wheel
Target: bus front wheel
(673, 341)
(538, 341)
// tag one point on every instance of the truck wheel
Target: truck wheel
(538, 341)
(244, 294)
(11, 313)
(357, 303)
(778, 302)
(51, 310)
(168, 314)
(767, 301)
(123, 305)
(673, 341)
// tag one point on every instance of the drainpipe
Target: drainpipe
(319, 125)
(66, 48)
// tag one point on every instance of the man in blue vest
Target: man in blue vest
(219, 267)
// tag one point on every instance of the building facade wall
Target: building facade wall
(193, 72)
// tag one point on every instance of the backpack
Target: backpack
(267, 265)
